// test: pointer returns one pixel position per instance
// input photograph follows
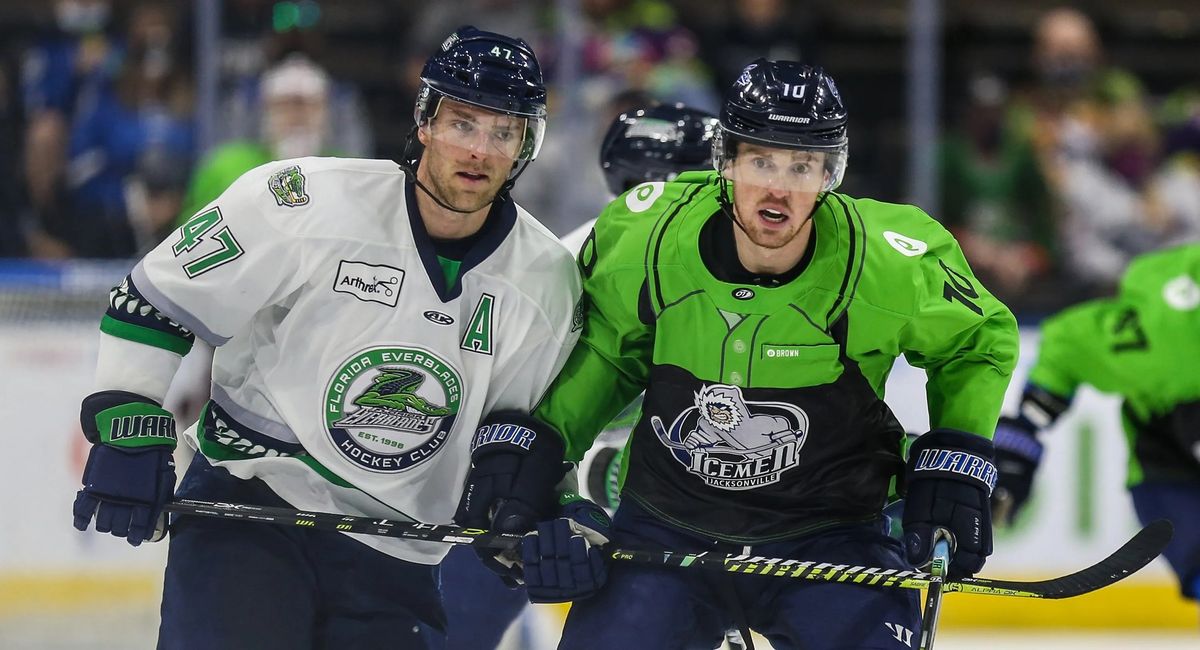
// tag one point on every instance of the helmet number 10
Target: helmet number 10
(794, 91)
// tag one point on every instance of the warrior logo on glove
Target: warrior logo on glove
(734, 444)
(388, 409)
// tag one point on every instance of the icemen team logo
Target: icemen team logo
(733, 444)
(389, 409)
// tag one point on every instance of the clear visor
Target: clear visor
(781, 169)
(485, 132)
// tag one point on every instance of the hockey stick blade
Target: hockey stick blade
(1132, 556)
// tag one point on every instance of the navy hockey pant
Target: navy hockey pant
(669, 608)
(479, 607)
(1179, 502)
(239, 584)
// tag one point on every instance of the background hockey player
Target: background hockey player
(760, 277)
(650, 144)
(1144, 345)
(312, 277)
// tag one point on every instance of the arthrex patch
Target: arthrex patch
(369, 282)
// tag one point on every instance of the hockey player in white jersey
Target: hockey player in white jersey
(367, 317)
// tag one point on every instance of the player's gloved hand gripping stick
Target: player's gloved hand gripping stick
(514, 469)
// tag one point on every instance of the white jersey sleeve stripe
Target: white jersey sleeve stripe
(173, 311)
(265, 426)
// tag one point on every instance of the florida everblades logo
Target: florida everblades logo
(288, 187)
(388, 409)
(733, 444)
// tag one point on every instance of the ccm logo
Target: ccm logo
(438, 317)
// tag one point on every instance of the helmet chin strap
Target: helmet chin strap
(445, 205)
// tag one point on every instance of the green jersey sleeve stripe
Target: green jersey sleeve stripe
(144, 335)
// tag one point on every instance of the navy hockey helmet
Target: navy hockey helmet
(784, 104)
(656, 144)
(489, 70)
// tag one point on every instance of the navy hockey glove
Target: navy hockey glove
(563, 560)
(130, 474)
(516, 462)
(1018, 454)
(950, 479)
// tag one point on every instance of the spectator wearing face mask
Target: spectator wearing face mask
(136, 138)
(294, 123)
(287, 29)
(59, 79)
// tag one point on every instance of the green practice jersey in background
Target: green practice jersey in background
(1143, 345)
(763, 417)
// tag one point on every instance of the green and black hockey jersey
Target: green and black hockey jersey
(1144, 345)
(763, 416)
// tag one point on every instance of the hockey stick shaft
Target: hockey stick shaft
(933, 595)
(346, 523)
(1135, 554)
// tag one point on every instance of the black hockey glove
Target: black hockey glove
(516, 462)
(130, 473)
(950, 479)
(1018, 454)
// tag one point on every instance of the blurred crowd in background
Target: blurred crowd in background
(1070, 135)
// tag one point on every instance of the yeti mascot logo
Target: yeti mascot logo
(733, 444)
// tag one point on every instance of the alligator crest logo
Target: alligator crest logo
(288, 187)
(391, 408)
(396, 388)
(392, 402)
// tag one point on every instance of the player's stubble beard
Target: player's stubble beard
(762, 249)
(437, 171)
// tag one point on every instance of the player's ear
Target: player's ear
(423, 134)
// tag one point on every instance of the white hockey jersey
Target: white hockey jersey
(348, 376)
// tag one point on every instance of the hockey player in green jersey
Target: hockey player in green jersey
(1144, 345)
(761, 312)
